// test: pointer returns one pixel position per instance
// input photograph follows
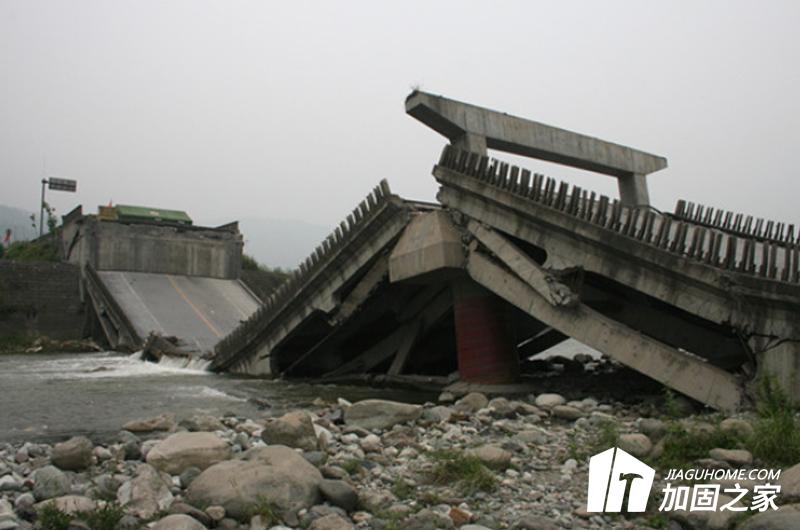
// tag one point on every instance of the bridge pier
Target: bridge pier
(484, 338)
(781, 363)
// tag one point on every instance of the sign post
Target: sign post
(58, 185)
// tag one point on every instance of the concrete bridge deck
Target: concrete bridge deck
(199, 310)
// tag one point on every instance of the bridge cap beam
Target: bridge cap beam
(469, 125)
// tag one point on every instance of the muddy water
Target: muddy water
(51, 397)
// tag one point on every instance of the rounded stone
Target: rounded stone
(472, 402)
(184, 450)
(737, 457)
(50, 482)
(73, 455)
(178, 521)
(567, 412)
(637, 444)
(548, 401)
(380, 414)
(339, 493)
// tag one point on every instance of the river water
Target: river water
(49, 397)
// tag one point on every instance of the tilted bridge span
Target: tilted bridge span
(510, 262)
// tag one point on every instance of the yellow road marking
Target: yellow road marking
(194, 308)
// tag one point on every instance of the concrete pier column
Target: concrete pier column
(633, 190)
(484, 339)
(474, 143)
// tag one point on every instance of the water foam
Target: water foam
(109, 365)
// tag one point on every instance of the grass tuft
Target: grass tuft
(352, 466)
(403, 489)
(51, 518)
(105, 518)
(267, 510)
(683, 446)
(776, 436)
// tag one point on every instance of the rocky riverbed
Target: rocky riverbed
(473, 463)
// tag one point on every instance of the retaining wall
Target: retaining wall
(40, 298)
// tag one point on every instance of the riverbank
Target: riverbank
(48, 397)
(19, 344)
(475, 463)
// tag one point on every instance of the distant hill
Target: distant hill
(280, 243)
(18, 221)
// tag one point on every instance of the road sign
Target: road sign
(62, 184)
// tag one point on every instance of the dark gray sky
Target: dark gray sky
(295, 109)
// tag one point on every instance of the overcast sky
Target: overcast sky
(296, 109)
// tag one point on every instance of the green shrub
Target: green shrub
(17, 342)
(249, 263)
(466, 472)
(45, 250)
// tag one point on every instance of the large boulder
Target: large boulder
(69, 504)
(147, 494)
(74, 455)
(783, 519)
(331, 522)
(202, 423)
(472, 402)
(567, 412)
(707, 520)
(293, 429)
(491, 456)
(789, 482)
(380, 414)
(548, 401)
(183, 450)
(438, 414)
(339, 493)
(178, 521)
(49, 482)
(275, 474)
(185, 509)
(740, 428)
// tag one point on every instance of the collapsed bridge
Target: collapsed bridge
(510, 263)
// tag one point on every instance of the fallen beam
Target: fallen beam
(362, 291)
(680, 371)
(555, 292)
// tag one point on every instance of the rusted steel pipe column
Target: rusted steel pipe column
(484, 338)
